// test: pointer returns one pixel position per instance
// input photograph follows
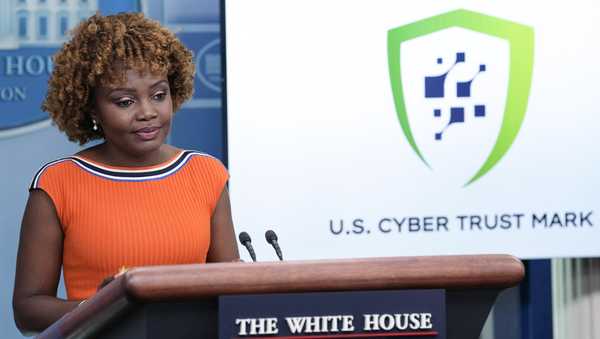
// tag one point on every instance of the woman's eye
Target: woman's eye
(159, 96)
(124, 103)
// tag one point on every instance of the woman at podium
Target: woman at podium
(131, 199)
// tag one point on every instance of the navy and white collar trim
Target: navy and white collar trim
(132, 174)
(126, 174)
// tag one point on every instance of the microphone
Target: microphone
(272, 239)
(245, 240)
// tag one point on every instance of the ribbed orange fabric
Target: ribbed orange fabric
(113, 217)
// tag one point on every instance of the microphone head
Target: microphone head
(270, 236)
(244, 238)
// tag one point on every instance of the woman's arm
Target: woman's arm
(223, 245)
(39, 261)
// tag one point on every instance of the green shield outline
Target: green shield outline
(521, 41)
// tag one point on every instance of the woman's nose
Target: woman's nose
(147, 111)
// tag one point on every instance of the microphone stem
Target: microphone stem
(248, 246)
(277, 249)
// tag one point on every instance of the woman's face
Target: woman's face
(135, 117)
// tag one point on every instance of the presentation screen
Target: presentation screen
(393, 128)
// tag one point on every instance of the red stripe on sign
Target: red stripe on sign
(352, 335)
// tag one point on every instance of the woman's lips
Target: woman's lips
(147, 133)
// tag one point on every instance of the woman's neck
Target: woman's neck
(112, 156)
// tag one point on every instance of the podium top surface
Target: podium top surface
(205, 280)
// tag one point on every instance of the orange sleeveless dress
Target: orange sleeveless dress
(113, 216)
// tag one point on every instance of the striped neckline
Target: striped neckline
(128, 169)
(144, 173)
(124, 173)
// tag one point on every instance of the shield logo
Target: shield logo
(461, 83)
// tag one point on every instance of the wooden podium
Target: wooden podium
(180, 301)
